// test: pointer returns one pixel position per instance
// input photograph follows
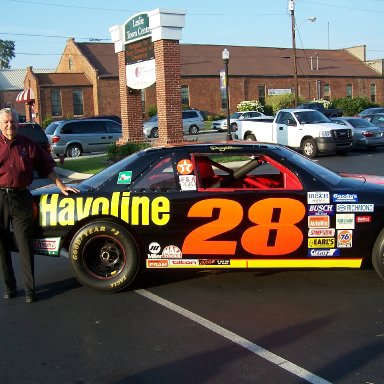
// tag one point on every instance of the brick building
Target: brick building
(86, 80)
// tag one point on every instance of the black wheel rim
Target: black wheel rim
(104, 257)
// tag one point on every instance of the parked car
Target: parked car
(193, 121)
(365, 134)
(193, 206)
(36, 133)
(221, 125)
(370, 111)
(329, 112)
(73, 137)
(376, 119)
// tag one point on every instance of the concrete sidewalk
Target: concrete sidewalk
(66, 175)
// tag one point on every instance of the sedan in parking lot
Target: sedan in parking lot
(365, 134)
(208, 206)
(370, 111)
(221, 125)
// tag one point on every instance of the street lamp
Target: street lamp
(225, 56)
(291, 8)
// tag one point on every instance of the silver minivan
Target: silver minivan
(74, 137)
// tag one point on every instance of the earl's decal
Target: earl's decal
(135, 210)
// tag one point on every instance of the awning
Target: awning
(25, 96)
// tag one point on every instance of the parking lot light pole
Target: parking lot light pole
(225, 56)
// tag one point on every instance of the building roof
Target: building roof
(62, 79)
(206, 60)
(102, 57)
(13, 79)
(197, 60)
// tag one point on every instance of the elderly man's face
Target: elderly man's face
(8, 125)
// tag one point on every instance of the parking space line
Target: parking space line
(254, 348)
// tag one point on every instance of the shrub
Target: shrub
(278, 102)
(353, 106)
(152, 111)
(250, 105)
(47, 120)
(117, 151)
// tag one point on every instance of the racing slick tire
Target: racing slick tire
(104, 256)
(309, 148)
(378, 254)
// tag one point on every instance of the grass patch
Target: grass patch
(91, 164)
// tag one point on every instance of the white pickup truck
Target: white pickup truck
(305, 129)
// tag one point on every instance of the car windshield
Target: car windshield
(100, 178)
(361, 123)
(311, 117)
(236, 115)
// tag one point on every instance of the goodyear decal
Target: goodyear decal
(135, 210)
(321, 242)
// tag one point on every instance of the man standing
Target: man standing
(19, 157)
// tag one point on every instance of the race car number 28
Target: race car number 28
(275, 231)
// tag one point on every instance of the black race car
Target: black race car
(222, 205)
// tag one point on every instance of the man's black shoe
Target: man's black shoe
(9, 295)
(30, 297)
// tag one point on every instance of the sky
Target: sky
(40, 29)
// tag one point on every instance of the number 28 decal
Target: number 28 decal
(274, 233)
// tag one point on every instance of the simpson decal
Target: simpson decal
(318, 198)
(321, 232)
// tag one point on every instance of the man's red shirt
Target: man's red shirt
(19, 158)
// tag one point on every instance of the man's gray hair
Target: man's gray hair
(10, 111)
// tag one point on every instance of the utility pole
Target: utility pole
(291, 8)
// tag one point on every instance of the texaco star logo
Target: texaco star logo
(184, 167)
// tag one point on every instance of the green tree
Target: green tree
(7, 53)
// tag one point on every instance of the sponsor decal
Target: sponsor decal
(171, 252)
(321, 242)
(321, 232)
(319, 221)
(345, 221)
(154, 250)
(345, 197)
(185, 167)
(323, 252)
(321, 209)
(48, 246)
(214, 262)
(124, 177)
(183, 262)
(187, 182)
(355, 207)
(157, 263)
(223, 149)
(363, 219)
(318, 197)
(344, 238)
(134, 210)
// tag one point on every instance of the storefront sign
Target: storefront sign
(137, 28)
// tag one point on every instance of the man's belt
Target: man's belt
(12, 190)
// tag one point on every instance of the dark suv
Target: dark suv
(36, 133)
